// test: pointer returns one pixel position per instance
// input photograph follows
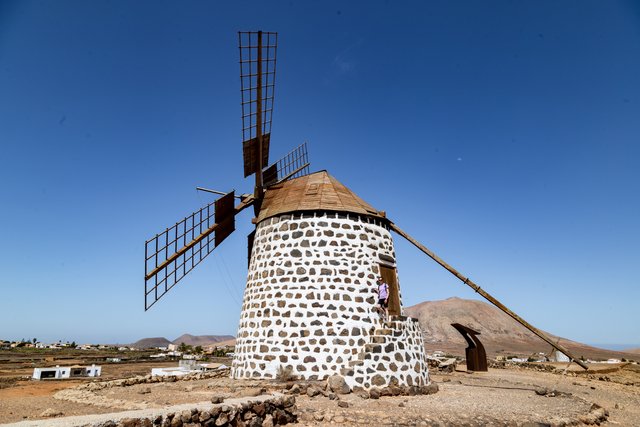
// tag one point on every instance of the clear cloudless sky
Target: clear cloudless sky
(504, 135)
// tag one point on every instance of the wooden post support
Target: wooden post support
(259, 191)
(486, 295)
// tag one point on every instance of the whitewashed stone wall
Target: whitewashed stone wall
(309, 301)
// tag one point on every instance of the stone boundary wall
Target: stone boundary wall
(263, 411)
(148, 379)
(309, 301)
(268, 413)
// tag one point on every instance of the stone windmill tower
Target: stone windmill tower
(309, 302)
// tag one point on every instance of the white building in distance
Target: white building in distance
(64, 372)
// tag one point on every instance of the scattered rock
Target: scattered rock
(337, 384)
(313, 391)
(597, 415)
(50, 413)
(374, 393)
(268, 421)
(343, 404)
(541, 391)
(295, 389)
(217, 399)
(429, 389)
(146, 390)
(255, 392)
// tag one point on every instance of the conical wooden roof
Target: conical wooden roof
(317, 191)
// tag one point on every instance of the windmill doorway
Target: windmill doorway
(390, 277)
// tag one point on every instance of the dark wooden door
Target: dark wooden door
(391, 278)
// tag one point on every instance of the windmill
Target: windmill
(309, 305)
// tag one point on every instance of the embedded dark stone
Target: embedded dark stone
(296, 253)
(297, 234)
(322, 243)
(378, 380)
(325, 271)
(386, 258)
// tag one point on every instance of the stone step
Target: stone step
(383, 332)
(378, 339)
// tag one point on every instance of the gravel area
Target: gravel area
(516, 397)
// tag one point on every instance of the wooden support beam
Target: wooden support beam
(486, 295)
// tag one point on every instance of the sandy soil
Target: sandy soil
(497, 397)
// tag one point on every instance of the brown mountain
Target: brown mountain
(499, 333)
(202, 340)
(151, 342)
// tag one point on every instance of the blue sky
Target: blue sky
(503, 135)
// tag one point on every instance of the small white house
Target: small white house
(64, 372)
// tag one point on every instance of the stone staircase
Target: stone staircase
(395, 355)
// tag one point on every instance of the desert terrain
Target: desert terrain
(509, 395)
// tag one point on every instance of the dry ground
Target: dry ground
(497, 397)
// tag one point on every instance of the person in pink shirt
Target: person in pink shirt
(383, 296)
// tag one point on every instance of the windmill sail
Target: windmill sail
(173, 253)
(293, 165)
(257, 88)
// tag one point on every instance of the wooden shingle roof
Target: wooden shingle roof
(315, 192)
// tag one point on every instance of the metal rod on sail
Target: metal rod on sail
(222, 193)
(486, 295)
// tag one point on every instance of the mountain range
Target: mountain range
(188, 339)
(499, 333)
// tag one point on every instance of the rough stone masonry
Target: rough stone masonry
(310, 306)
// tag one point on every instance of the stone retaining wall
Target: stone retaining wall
(268, 413)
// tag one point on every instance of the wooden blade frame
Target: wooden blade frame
(170, 255)
(257, 88)
(293, 165)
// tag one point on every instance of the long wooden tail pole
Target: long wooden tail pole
(486, 295)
